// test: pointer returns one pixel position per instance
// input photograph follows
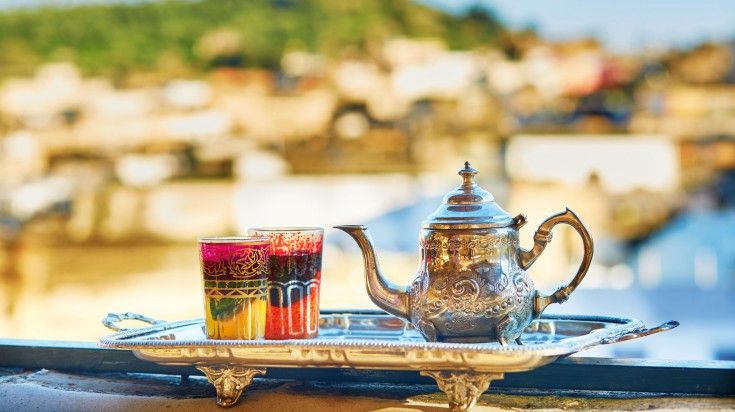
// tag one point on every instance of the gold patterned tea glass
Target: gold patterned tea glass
(294, 278)
(235, 282)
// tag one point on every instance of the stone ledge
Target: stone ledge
(43, 390)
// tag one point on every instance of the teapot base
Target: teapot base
(466, 339)
(473, 339)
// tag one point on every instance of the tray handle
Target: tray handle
(111, 318)
(642, 332)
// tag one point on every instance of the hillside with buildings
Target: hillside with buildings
(410, 106)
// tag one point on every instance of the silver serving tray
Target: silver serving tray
(371, 340)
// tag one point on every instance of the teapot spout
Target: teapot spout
(385, 294)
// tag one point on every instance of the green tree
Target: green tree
(135, 36)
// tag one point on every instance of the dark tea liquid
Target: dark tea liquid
(293, 296)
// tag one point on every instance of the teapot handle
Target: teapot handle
(540, 239)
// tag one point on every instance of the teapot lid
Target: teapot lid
(468, 207)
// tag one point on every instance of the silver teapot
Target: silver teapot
(471, 284)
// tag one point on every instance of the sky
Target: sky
(623, 25)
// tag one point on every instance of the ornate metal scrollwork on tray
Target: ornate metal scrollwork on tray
(229, 381)
(462, 388)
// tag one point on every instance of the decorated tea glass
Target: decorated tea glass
(293, 281)
(234, 279)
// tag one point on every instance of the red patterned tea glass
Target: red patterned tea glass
(234, 277)
(293, 282)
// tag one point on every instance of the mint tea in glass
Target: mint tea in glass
(234, 279)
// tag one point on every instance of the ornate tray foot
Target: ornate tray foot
(229, 381)
(462, 388)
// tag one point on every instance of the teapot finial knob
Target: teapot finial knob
(467, 174)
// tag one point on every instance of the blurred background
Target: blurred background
(128, 129)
